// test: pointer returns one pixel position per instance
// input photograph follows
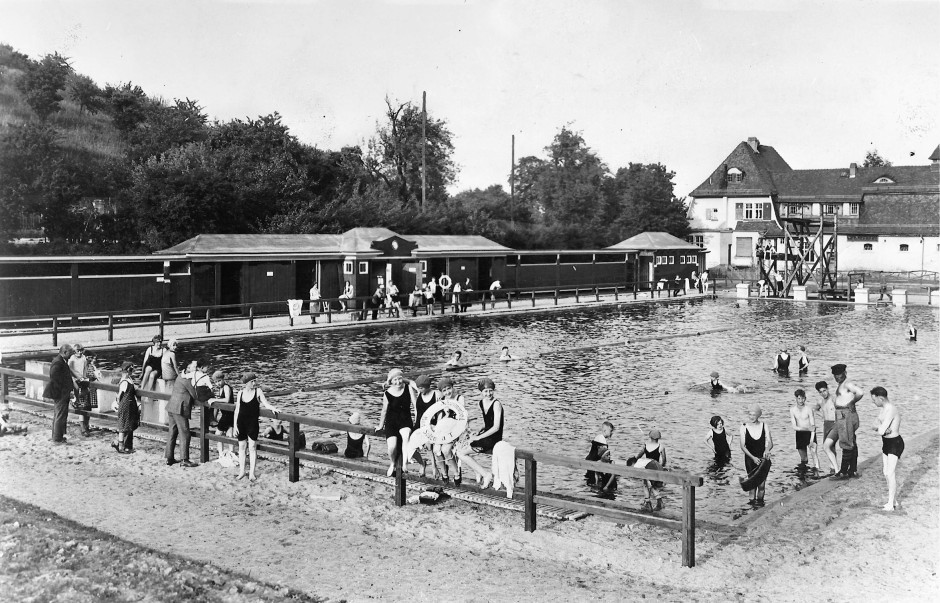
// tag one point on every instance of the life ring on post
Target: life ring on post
(445, 281)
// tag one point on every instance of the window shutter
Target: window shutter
(738, 211)
(767, 214)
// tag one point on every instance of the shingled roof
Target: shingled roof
(914, 214)
(654, 240)
(837, 184)
(759, 167)
(355, 241)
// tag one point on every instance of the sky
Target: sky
(674, 82)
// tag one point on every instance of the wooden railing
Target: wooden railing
(530, 498)
(55, 325)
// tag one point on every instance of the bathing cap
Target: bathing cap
(445, 382)
(249, 377)
(395, 372)
(423, 381)
(218, 375)
(714, 374)
(485, 383)
(838, 369)
(354, 418)
(127, 366)
(655, 435)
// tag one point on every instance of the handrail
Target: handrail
(531, 458)
(205, 314)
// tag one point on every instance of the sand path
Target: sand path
(816, 545)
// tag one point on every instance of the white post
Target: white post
(861, 295)
(899, 297)
(799, 293)
(743, 290)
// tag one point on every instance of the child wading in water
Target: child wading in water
(652, 455)
(600, 451)
(719, 440)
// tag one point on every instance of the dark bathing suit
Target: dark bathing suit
(487, 443)
(722, 450)
(652, 454)
(248, 416)
(153, 361)
(354, 447)
(421, 406)
(803, 438)
(226, 417)
(783, 366)
(398, 412)
(893, 445)
(754, 446)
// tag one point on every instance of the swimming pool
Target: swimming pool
(562, 385)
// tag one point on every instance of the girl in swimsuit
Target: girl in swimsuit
(756, 443)
(719, 440)
(397, 418)
(489, 435)
(152, 358)
(247, 412)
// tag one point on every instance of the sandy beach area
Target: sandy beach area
(827, 542)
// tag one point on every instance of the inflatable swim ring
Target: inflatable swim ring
(445, 279)
(449, 426)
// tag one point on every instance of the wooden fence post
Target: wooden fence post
(530, 490)
(508, 300)
(208, 321)
(55, 331)
(329, 313)
(688, 525)
(4, 387)
(203, 432)
(399, 477)
(293, 463)
(161, 319)
(110, 326)
(577, 296)
(556, 297)
(533, 299)
(635, 287)
(616, 293)
(597, 294)
(251, 318)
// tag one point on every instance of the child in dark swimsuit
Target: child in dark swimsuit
(357, 444)
(398, 415)
(247, 413)
(719, 440)
(152, 359)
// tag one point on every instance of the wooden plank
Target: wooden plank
(672, 477)
(622, 515)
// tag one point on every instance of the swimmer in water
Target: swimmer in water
(802, 360)
(504, 354)
(454, 361)
(717, 387)
(911, 332)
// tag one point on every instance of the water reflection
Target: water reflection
(567, 377)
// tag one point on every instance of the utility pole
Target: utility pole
(512, 185)
(424, 122)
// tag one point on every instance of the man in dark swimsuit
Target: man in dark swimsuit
(892, 444)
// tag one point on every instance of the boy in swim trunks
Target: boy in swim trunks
(892, 445)
(804, 424)
(830, 433)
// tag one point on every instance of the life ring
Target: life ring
(450, 426)
(445, 281)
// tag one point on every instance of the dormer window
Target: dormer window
(884, 180)
(734, 175)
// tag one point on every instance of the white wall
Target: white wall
(886, 255)
(717, 233)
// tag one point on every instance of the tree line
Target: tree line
(169, 173)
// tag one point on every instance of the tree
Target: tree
(42, 82)
(395, 155)
(84, 91)
(165, 127)
(127, 105)
(565, 193)
(641, 199)
(873, 159)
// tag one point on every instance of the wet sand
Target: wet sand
(830, 542)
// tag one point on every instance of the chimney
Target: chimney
(853, 167)
(754, 144)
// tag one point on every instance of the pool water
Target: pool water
(566, 380)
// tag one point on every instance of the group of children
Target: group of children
(651, 455)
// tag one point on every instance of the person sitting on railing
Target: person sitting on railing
(377, 301)
(152, 358)
(425, 399)
(652, 455)
(6, 426)
(397, 418)
(455, 298)
(488, 436)
(347, 294)
(446, 451)
(391, 300)
(168, 366)
(248, 404)
(128, 413)
(415, 298)
(494, 287)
